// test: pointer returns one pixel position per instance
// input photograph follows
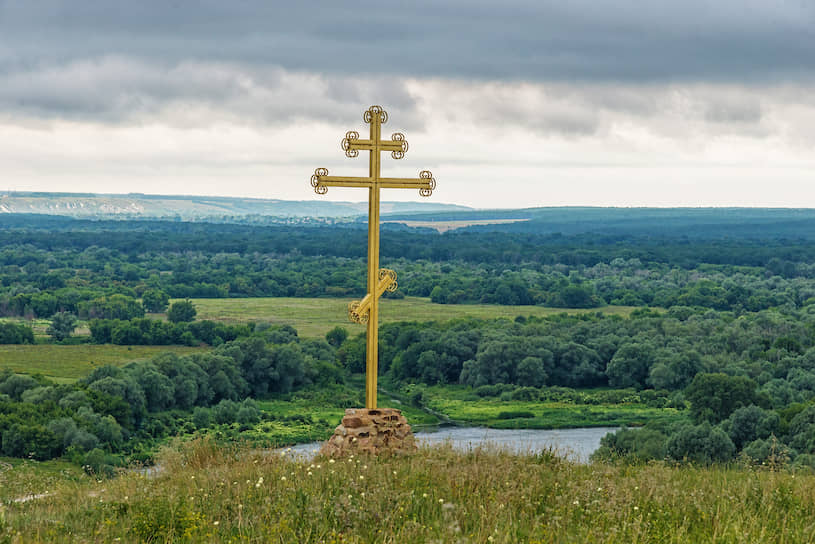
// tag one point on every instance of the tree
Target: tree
(16, 333)
(700, 444)
(115, 306)
(629, 366)
(155, 300)
(713, 397)
(750, 423)
(181, 311)
(62, 326)
(336, 336)
(532, 372)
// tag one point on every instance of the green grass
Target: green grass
(22, 477)
(209, 494)
(550, 415)
(67, 363)
(313, 317)
(461, 405)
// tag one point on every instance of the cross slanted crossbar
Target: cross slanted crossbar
(379, 280)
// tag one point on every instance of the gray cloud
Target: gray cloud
(192, 93)
(536, 40)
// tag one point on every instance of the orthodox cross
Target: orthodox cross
(366, 311)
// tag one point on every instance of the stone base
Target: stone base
(371, 431)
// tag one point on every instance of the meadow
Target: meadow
(313, 317)
(68, 363)
(206, 493)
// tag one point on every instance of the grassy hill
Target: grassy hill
(204, 493)
(193, 207)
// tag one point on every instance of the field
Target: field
(207, 494)
(67, 363)
(313, 317)
(444, 226)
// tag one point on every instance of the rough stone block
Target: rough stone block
(381, 430)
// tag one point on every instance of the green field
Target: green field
(314, 317)
(67, 363)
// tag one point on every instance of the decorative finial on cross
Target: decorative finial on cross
(379, 280)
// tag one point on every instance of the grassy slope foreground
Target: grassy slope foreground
(206, 494)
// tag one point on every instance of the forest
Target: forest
(724, 333)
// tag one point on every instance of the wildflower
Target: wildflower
(441, 501)
(216, 523)
(576, 502)
(636, 508)
(424, 495)
(330, 461)
(309, 473)
(282, 478)
(361, 477)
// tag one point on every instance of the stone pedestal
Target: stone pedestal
(371, 431)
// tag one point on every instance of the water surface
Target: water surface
(573, 444)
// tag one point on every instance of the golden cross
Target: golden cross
(379, 280)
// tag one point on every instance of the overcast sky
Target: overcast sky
(510, 104)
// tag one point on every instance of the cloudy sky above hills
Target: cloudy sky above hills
(510, 104)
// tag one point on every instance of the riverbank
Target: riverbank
(514, 407)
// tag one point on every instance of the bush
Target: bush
(62, 326)
(525, 393)
(632, 444)
(182, 311)
(703, 444)
(15, 333)
(202, 417)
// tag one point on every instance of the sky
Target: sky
(517, 103)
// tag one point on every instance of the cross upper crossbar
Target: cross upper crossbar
(367, 310)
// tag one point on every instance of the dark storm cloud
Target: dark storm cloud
(536, 40)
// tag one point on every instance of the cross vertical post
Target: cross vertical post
(372, 336)
(379, 280)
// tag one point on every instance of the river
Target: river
(574, 444)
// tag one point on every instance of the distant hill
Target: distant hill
(683, 222)
(136, 205)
